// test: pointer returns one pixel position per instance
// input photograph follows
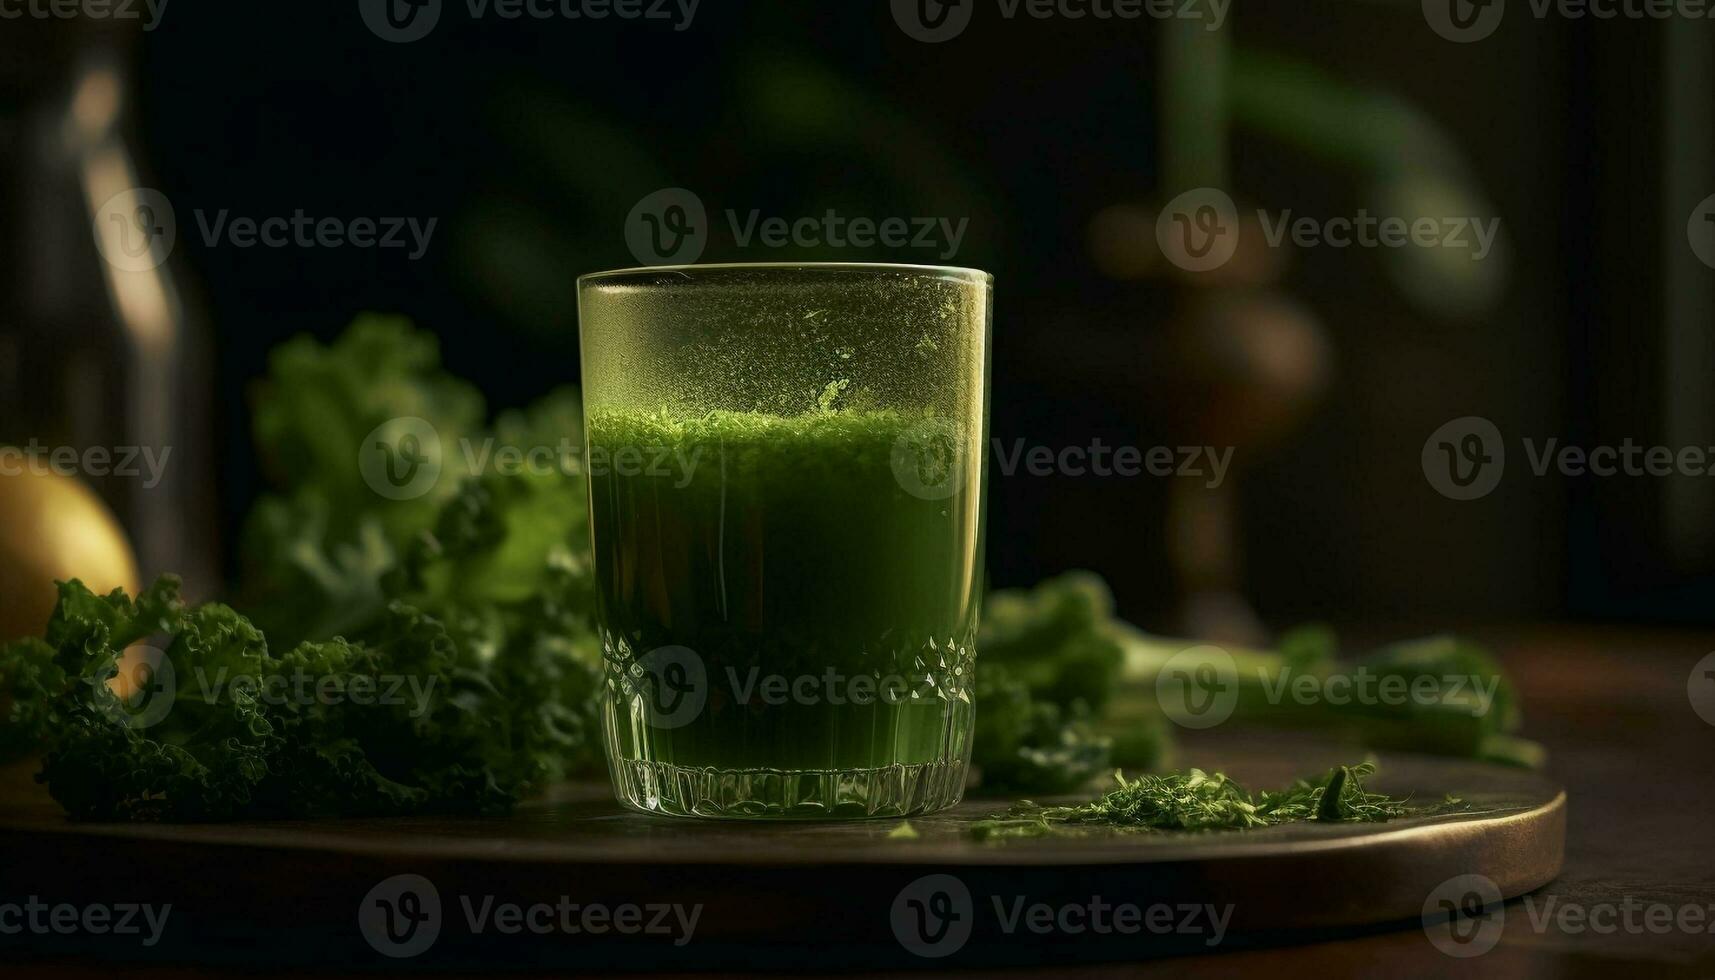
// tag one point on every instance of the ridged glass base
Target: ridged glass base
(766, 794)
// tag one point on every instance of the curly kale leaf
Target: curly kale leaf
(507, 530)
(209, 726)
(85, 634)
(1055, 638)
(181, 743)
(505, 571)
(309, 582)
(1030, 746)
(316, 549)
(498, 556)
(1046, 665)
(319, 402)
(395, 724)
(549, 672)
(29, 678)
(476, 597)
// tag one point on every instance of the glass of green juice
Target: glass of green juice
(786, 503)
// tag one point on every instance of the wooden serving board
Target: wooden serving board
(800, 895)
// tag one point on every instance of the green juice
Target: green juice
(789, 605)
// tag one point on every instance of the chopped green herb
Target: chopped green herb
(1195, 800)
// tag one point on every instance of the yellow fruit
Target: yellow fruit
(53, 527)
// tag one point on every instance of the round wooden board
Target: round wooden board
(802, 895)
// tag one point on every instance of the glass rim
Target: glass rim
(958, 272)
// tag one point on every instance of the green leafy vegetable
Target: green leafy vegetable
(1028, 745)
(28, 676)
(1460, 701)
(318, 403)
(199, 755)
(1055, 638)
(1066, 691)
(470, 604)
(316, 548)
(402, 721)
(1048, 663)
(499, 557)
(437, 745)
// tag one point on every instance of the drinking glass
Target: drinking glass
(786, 502)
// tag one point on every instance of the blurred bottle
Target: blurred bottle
(97, 353)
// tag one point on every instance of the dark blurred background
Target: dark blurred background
(530, 142)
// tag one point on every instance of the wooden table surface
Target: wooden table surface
(1638, 766)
